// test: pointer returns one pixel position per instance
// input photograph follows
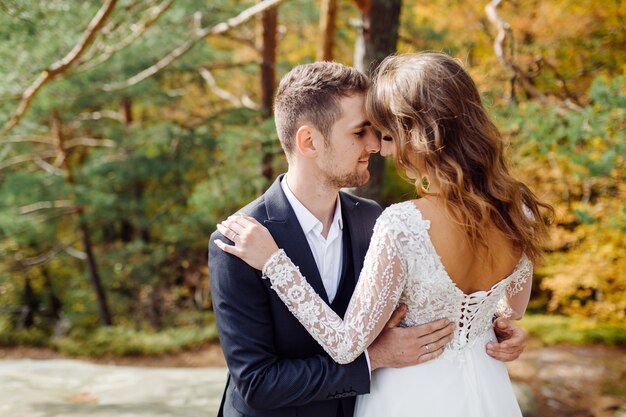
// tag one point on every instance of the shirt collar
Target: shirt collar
(306, 219)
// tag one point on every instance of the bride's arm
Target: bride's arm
(517, 293)
(375, 297)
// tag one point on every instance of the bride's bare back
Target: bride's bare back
(471, 269)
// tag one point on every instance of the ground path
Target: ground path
(574, 381)
(567, 381)
(72, 388)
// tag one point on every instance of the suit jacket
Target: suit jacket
(275, 367)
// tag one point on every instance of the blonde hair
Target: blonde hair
(431, 107)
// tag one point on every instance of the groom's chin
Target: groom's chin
(365, 178)
(352, 180)
(358, 180)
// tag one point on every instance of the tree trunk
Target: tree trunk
(94, 276)
(127, 109)
(328, 15)
(377, 39)
(31, 301)
(268, 26)
(53, 310)
(155, 307)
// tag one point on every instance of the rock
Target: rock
(71, 388)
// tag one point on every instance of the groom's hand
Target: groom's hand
(511, 341)
(397, 347)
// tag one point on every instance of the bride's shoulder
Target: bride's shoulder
(410, 208)
(405, 215)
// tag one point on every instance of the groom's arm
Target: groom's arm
(397, 347)
(246, 330)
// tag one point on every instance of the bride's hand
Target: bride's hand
(253, 242)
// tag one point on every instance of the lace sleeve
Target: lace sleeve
(513, 305)
(375, 297)
(517, 293)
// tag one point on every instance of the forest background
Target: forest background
(129, 128)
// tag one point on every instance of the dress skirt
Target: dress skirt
(460, 383)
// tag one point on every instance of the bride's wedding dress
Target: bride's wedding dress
(402, 266)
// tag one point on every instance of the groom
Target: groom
(275, 367)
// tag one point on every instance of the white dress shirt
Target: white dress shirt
(327, 251)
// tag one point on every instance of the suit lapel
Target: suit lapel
(289, 236)
(359, 240)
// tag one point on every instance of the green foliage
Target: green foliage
(125, 341)
(151, 194)
(561, 329)
(173, 158)
(10, 337)
(576, 159)
(30, 337)
(396, 186)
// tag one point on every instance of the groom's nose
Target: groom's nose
(372, 144)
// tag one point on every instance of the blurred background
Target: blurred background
(129, 128)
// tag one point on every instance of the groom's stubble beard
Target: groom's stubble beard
(349, 180)
(354, 178)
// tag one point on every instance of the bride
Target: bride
(464, 251)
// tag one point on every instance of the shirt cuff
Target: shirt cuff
(369, 366)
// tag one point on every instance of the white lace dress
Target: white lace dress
(402, 266)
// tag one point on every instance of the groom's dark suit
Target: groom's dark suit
(275, 367)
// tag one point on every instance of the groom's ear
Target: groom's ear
(306, 141)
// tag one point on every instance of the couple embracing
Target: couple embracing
(326, 305)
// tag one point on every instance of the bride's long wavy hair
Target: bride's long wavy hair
(431, 108)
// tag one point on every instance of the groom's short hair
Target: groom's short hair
(312, 93)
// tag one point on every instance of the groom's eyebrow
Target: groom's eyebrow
(362, 124)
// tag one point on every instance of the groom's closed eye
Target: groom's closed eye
(361, 128)
(362, 131)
